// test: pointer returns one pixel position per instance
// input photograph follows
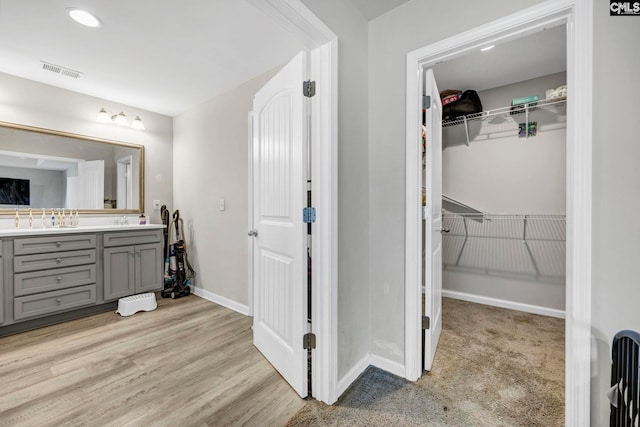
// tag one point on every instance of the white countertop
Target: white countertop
(38, 231)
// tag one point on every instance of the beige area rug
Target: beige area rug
(493, 367)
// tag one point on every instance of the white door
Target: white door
(279, 185)
(91, 177)
(433, 222)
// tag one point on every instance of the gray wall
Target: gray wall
(46, 187)
(353, 175)
(415, 24)
(210, 163)
(616, 193)
(35, 104)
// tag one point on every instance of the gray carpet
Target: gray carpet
(493, 367)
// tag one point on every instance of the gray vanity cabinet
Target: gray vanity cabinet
(49, 276)
(134, 267)
(1, 286)
(53, 274)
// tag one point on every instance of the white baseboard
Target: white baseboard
(225, 302)
(528, 308)
(352, 375)
(387, 365)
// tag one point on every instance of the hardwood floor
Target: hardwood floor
(189, 363)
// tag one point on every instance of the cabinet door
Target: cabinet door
(119, 272)
(149, 275)
(1, 287)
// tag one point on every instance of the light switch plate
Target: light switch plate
(156, 205)
(221, 204)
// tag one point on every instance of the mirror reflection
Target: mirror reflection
(48, 169)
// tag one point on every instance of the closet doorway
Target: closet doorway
(574, 17)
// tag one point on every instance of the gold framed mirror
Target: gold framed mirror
(44, 168)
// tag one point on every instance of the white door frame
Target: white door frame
(323, 46)
(124, 182)
(577, 14)
(250, 224)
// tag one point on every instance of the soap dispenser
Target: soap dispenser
(17, 219)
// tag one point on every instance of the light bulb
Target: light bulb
(137, 123)
(120, 119)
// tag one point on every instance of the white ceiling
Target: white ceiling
(532, 56)
(371, 9)
(167, 56)
(164, 56)
(36, 161)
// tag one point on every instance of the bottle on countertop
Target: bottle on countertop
(58, 218)
(30, 219)
(53, 217)
(63, 219)
(44, 218)
(17, 219)
(77, 218)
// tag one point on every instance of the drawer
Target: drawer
(53, 260)
(124, 238)
(50, 280)
(53, 302)
(38, 245)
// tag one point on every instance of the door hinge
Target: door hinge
(309, 215)
(426, 102)
(309, 88)
(426, 322)
(309, 341)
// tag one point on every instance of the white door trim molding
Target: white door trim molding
(294, 16)
(250, 213)
(577, 15)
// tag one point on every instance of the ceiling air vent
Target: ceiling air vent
(61, 70)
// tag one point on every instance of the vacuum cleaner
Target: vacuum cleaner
(178, 270)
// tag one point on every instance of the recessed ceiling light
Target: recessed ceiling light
(484, 49)
(83, 17)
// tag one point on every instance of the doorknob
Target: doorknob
(444, 230)
(253, 233)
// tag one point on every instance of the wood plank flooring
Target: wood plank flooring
(189, 363)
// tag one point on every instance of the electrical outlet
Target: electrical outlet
(156, 205)
(221, 204)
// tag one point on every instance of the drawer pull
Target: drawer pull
(58, 300)
(59, 279)
(58, 260)
(58, 244)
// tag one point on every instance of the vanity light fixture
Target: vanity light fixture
(120, 119)
(84, 18)
(137, 123)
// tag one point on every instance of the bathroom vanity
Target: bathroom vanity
(55, 274)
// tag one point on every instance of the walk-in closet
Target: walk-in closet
(504, 175)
